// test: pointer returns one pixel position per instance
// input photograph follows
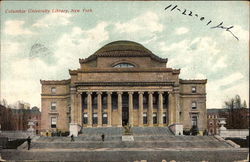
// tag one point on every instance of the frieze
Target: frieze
(124, 83)
(122, 70)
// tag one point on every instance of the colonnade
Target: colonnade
(78, 113)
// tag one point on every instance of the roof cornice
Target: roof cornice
(122, 70)
(193, 81)
(55, 82)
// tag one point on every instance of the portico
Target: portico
(106, 108)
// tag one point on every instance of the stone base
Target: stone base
(128, 138)
(74, 129)
(177, 129)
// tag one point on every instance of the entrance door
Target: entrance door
(125, 116)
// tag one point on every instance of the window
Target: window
(53, 106)
(53, 122)
(164, 115)
(194, 105)
(194, 120)
(85, 118)
(124, 65)
(95, 118)
(154, 118)
(193, 89)
(53, 90)
(104, 118)
(210, 123)
(145, 118)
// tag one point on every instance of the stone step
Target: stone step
(124, 155)
(135, 144)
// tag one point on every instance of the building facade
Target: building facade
(123, 83)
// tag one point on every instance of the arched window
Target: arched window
(124, 65)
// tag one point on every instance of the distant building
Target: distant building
(22, 105)
(235, 119)
(123, 83)
(23, 116)
(17, 119)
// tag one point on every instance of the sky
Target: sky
(45, 46)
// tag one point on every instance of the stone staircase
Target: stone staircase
(151, 144)
(148, 137)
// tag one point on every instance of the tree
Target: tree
(244, 104)
(235, 113)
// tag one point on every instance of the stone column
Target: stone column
(79, 107)
(99, 108)
(76, 108)
(131, 108)
(160, 109)
(150, 109)
(140, 109)
(177, 107)
(171, 108)
(72, 105)
(109, 109)
(119, 108)
(89, 107)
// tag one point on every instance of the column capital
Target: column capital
(160, 92)
(89, 92)
(141, 92)
(99, 92)
(130, 92)
(109, 92)
(78, 93)
(150, 92)
(119, 92)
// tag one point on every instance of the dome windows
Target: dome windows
(124, 65)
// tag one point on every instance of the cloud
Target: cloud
(238, 31)
(53, 19)
(80, 43)
(181, 30)
(221, 89)
(148, 22)
(15, 27)
(11, 48)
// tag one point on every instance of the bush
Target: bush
(65, 134)
(194, 130)
(186, 132)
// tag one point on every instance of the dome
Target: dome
(123, 48)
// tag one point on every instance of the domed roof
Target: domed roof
(123, 48)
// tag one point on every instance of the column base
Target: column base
(160, 125)
(74, 128)
(176, 128)
(89, 126)
(109, 125)
(99, 126)
(119, 125)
